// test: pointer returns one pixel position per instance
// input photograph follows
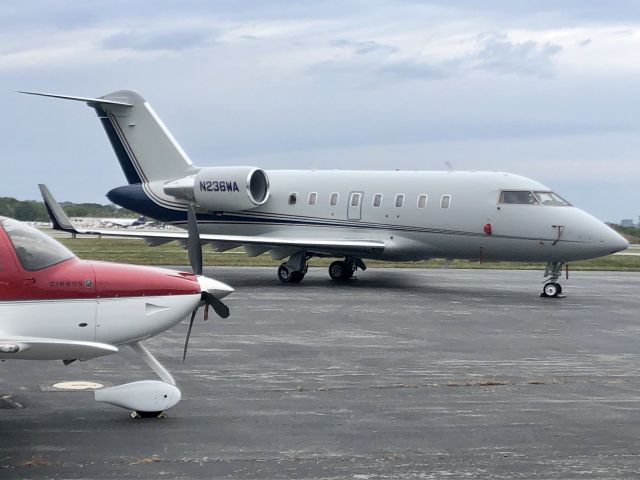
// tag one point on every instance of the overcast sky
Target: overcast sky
(546, 89)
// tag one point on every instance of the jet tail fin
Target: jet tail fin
(56, 214)
(143, 145)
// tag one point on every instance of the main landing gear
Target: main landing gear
(552, 288)
(294, 270)
(344, 270)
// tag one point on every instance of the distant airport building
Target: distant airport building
(627, 222)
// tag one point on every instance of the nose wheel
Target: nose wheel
(552, 289)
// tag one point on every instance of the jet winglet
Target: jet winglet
(87, 100)
(56, 214)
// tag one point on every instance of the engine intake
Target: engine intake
(223, 189)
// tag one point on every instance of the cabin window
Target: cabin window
(377, 199)
(333, 200)
(355, 199)
(399, 200)
(422, 201)
(550, 198)
(293, 198)
(518, 197)
(445, 201)
(312, 198)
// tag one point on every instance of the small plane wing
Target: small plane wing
(35, 348)
(223, 242)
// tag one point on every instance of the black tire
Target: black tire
(296, 277)
(284, 275)
(149, 414)
(551, 289)
(336, 270)
(348, 271)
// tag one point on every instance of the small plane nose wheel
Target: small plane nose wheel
(551, 289)
(136, 414)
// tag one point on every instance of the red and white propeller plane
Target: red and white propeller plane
(54, 306)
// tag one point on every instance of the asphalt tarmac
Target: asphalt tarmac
(396, 374)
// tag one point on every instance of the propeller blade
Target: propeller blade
(186, 342)
(194, 248)
(220, 308)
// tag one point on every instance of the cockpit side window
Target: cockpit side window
(518, 197)
(34, 249)
(551, 198)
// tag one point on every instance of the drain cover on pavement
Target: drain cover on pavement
(77, 385)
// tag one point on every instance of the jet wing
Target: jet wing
(253, 244)
(35, 348)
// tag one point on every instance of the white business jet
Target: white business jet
(355, 215)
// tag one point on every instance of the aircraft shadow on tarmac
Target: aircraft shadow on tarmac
(378, 281)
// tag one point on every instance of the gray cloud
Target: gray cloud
(495, 53)
(499, 55)
(159, 40)
(366, 47)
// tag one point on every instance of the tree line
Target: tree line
(34, 211)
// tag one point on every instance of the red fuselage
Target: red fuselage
(73, 278)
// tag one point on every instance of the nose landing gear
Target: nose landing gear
(552, 288)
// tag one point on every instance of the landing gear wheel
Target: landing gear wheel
(551, 289)
(341, 270)
(296, 277)
(336, 270)
(289, 276)
(284, 275)
(136, 414)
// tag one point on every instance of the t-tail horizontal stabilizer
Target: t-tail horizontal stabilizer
(87, 100)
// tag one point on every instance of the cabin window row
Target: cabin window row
(356, 198)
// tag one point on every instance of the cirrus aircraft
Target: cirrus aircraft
(54, 306)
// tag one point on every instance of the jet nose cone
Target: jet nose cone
(616, 242)
(214, 287)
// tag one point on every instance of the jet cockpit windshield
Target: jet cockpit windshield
(525, 197)
(551, 198)
(34, 249)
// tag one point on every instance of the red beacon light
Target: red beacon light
(487, 229)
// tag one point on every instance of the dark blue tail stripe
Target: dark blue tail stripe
(120, 150)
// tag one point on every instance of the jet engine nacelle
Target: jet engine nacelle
(223, 189)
